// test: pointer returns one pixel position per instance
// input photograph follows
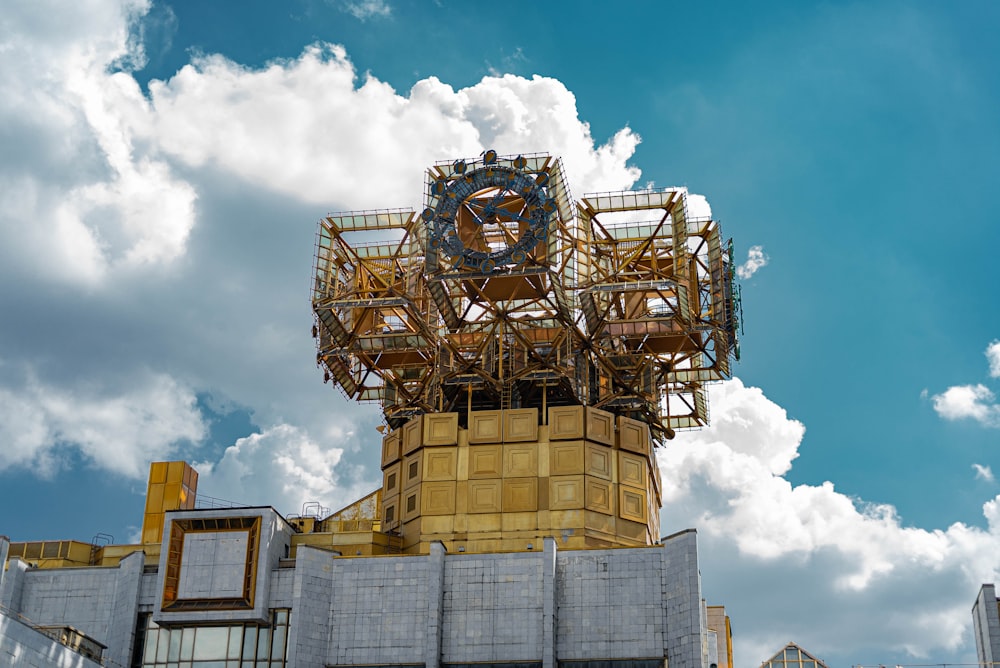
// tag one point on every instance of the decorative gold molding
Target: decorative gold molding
(179, 528)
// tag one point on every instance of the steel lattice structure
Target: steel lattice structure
(505, 292)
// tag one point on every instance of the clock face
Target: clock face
(489, 216)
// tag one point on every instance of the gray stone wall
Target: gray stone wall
(312, 592)
(23, 647)
(382, 611)
(493, 608)
(124, 610)
(684, 634)
(11, 579)
(282, 585)
(986, 625)
(148, 591)
(102, 603)
(79, 597)
(610, 604)
(544, 606)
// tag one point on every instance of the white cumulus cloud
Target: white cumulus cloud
(983, 473)
(84, 193)
(159, 239)
(177, 228)
(119, 430)
(993, 355)
(976, 402)
(366, 9)
(285, 468)
(727, 481)
(756, 259)
(307, 128)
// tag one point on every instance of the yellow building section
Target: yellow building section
(76, 554)
(55, 553)
(355, 530)
(172, 486)
(586, 477)
(718, 621)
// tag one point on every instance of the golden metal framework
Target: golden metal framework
(507, 293)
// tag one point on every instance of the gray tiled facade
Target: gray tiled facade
(24, 647)
(541, 608)
(986, 625)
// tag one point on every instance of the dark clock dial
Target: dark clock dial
(489, 216)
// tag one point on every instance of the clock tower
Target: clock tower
(530, 351)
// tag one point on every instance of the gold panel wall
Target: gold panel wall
(411, 504)
(172, 486)
(485, 427)
(390, 448)
(441, 429)
(600, 426)
(412, 435)
(411, 470)
(438, 498)
(392, 479)
(520, 495)
(440, 463)
(599, 496)
(566, 492)
(520, 460)
(485, 461)
(597, 462)
(632, 470)
(520, 425)
(484, 496)
(390, 511)
(633, 435)
(566, 457)
(566, 423)
(582, 475)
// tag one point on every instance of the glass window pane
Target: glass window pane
(161, 646)
(281, 617)
(235, 641)
(210, 643)
(278, 645)
(249, 641)
(174, 653)
(263, 642)
(150, 652)
(187, 644)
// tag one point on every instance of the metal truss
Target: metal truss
(505, 292)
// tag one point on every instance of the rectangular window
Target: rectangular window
(230, 646)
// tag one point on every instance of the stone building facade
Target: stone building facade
(225, 594)
(986, 625)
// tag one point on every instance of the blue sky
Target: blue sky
(165, 164)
